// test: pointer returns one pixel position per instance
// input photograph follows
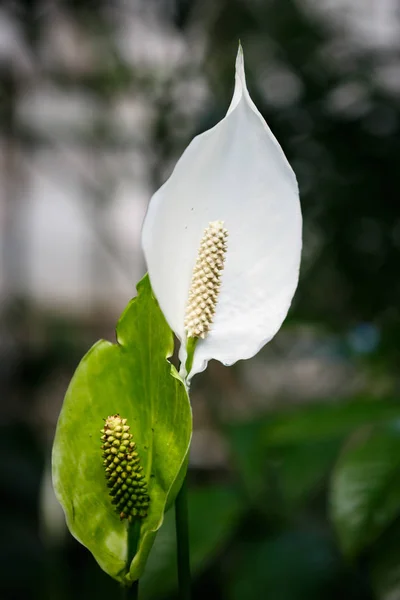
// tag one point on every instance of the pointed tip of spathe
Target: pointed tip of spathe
(239, 67)
(240, 80)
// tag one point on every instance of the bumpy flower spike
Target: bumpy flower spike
(128, 487)
(206, 280)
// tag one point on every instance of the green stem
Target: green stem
(182, 542)
(132, 592)
(190, 348)
(133, 539)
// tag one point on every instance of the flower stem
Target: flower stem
(182, 542)
(190, 348)
(132, 592)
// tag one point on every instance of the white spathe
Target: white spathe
(236, 173)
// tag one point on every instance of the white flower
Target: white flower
(235, 174)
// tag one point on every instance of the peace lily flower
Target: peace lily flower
(222, 237)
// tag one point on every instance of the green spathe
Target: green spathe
(132, 378)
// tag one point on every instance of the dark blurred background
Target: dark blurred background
(295, 463)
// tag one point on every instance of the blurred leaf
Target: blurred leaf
(134, 379)
(302, 469)
(326, 421)
(213, 515)
(385, 565)
(365, 490)
(294, 565)
(284, 475)
(283, 457)
(248, 450)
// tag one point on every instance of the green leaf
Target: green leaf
(213, 515)
(132, 378)
(303, 469)
(285, 456)
(249, 454)
(293, 565)
(365, 488)
(279, 477)
(326, 421)
(385, 565)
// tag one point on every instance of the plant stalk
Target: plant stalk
(190, 348)
(182, 542)
(132, 592)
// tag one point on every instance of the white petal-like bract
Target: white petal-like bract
(236, 173)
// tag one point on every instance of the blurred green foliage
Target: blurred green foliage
(309, 505)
